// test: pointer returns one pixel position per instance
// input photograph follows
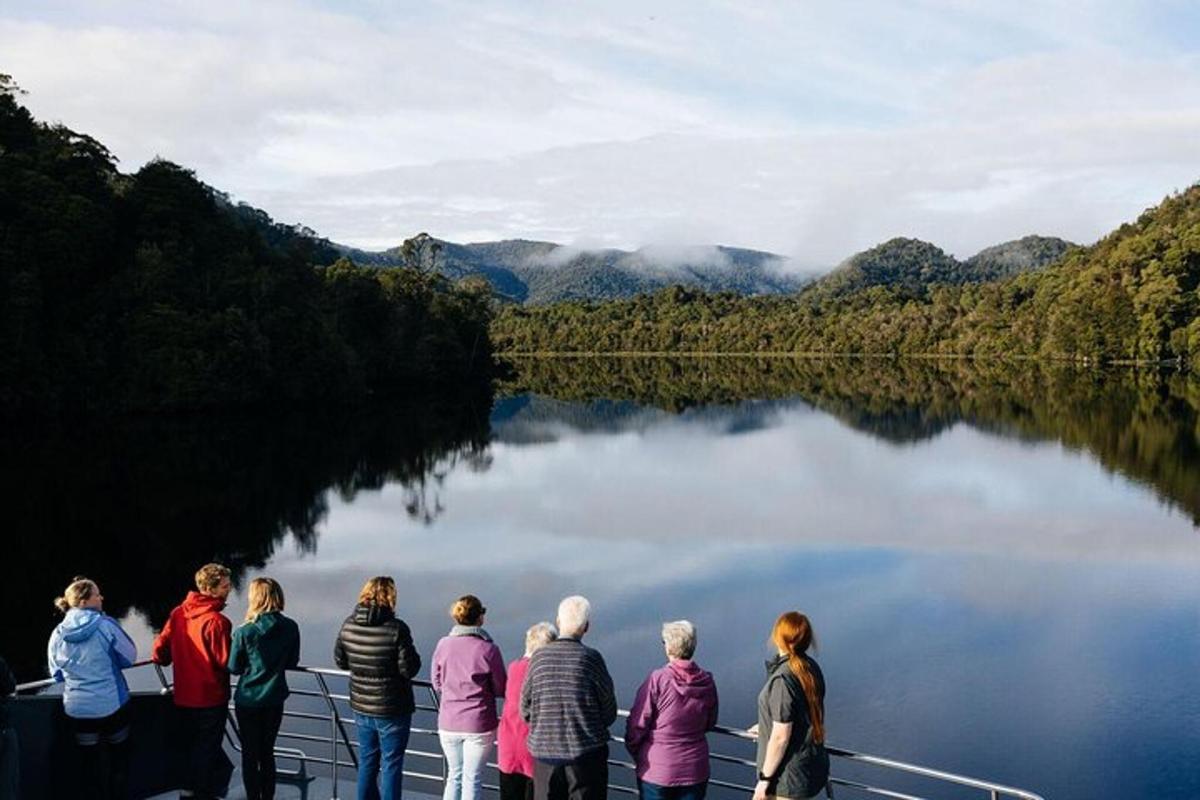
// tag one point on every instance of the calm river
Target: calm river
(1002, 566)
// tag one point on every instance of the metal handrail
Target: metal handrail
(337, 721)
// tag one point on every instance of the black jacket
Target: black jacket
(378, 650)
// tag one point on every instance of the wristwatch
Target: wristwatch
(764, 777)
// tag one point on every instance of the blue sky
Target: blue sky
(811, 129)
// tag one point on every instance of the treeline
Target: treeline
(152, 291)
(1131, 296)
(1141, 423)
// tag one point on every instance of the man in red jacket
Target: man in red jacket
(195, 641)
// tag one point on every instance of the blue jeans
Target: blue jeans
(652, 791)
(466, 758)
(381, 745)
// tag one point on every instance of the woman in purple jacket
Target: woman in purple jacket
(673, 710)
(468, 673)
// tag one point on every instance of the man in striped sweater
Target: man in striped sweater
(568, 701)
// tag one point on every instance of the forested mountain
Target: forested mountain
(915, 266)
(1131, 296)
(152, 291)
(542, 272)
(1028, 254)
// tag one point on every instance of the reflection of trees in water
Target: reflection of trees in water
(138, 505)
(1143, 424)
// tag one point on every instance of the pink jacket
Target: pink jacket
(514, 755)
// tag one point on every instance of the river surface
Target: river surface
(1002, 565)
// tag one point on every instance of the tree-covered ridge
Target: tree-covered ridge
(153, 291)
(909, 264)
(915, 266)
(536, 272)
(1027, 254)
(1141, 423)
(1131, 296)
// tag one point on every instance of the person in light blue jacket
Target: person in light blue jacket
(87, 652)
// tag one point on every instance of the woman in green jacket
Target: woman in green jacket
(264, 647)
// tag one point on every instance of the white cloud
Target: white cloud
(810, 130)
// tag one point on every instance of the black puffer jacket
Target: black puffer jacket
(378, 650)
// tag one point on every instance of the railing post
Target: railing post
(333, 732)
(162, 678)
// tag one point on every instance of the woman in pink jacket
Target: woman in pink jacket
(515, 762)
(468, 673)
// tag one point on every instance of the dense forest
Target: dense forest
(1131, 296)
(152, 291)
(533, 272)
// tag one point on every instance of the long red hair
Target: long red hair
(793, 635)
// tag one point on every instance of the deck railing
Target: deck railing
(340, 749)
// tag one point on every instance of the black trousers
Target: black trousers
(515, 786)
(585, 778)
(104, 754)
(202, 730)
(259, 728)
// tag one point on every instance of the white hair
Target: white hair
(573, 615)
(542, 633)
(679, 637)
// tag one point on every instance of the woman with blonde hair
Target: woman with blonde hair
(88, 651)
(468, 672)
(792, 761)
(265, 646)
(377, 647)
(514, 760)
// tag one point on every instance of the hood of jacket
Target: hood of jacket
(80, 624)
(372, 615)
(197, 605)
(688, 680)
(268, 626)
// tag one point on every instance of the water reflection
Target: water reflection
(1002, 563)
(1144, 424)
(138, 505)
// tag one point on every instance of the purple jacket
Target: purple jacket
(468, 673)
(665, 732)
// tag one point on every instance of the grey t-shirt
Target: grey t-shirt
(805, 766)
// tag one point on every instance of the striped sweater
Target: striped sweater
(568, 701)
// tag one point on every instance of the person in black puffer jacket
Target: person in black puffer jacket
(377, 648)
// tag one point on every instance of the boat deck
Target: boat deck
(317, 751)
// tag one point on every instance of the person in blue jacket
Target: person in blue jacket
(88, 651)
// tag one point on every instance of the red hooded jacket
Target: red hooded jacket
(195, 641)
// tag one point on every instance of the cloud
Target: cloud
(814, 131)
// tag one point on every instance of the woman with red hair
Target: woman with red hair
(792, 762)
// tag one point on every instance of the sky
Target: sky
(810, 129)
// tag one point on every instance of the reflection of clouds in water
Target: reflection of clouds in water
(804, 480)
(983, 605)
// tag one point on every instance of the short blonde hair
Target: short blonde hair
(467, 610)
(266, 595)
(378, 591)
(539, 635)
(209, 577)
(79, 592)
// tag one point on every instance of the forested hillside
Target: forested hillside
(152, 291)
(1131, 296)
(535, 273)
